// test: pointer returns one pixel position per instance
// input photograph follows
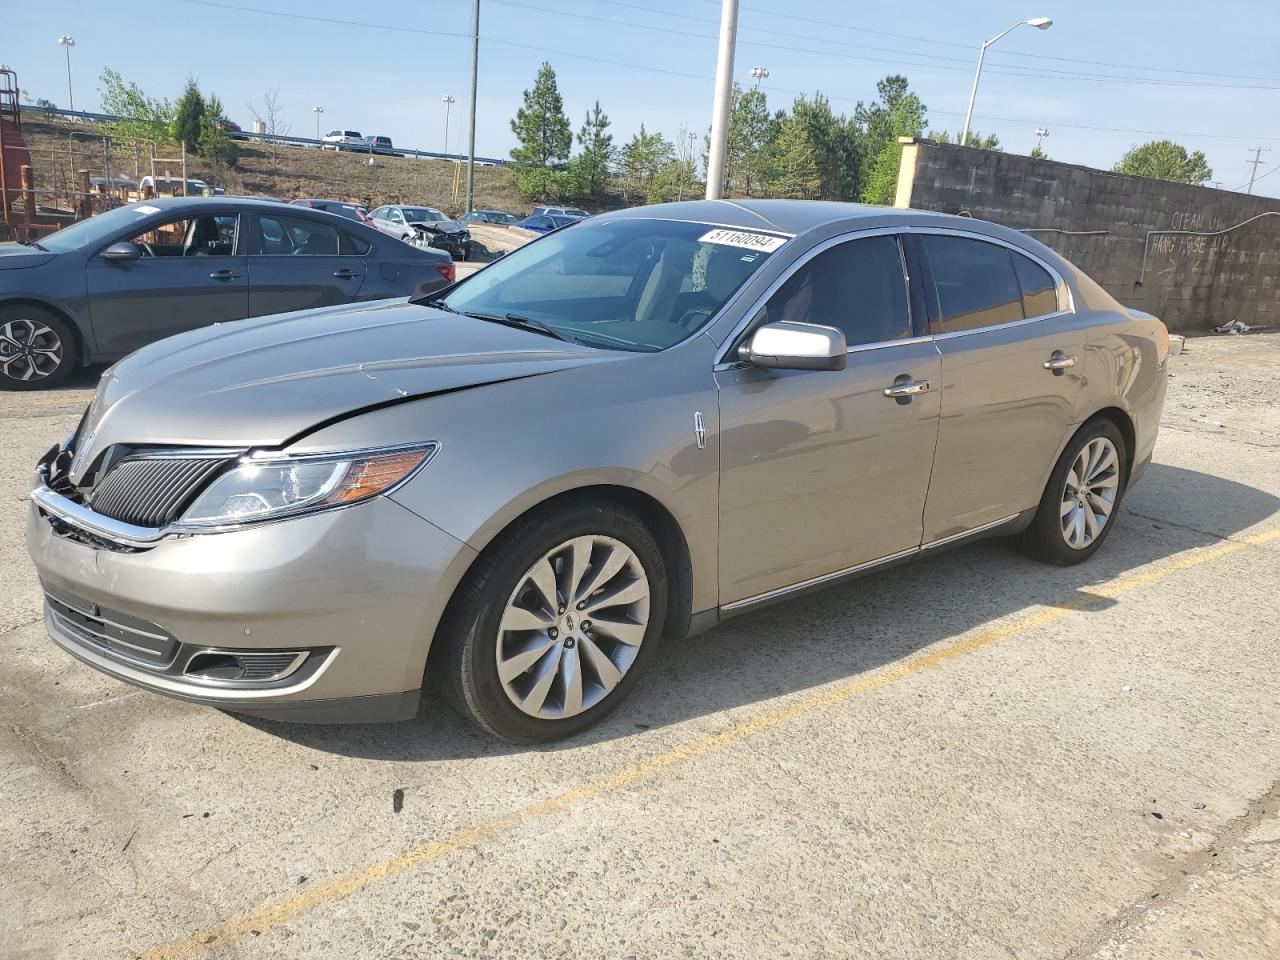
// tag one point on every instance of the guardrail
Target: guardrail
(282, 139)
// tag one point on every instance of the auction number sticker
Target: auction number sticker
(741, 238)
(146, 211)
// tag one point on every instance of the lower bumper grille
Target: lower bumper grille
(116, 634)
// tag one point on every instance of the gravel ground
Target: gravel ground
(974, 756)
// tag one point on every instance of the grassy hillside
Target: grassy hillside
(58, 149)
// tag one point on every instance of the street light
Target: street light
(1040, 23)
(317, 111)
(448, 100)
(1041, 133)
(760, 73)
(67, 41)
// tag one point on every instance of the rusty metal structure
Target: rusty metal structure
(16, 183)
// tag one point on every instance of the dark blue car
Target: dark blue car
(546, 222)
(106, 286)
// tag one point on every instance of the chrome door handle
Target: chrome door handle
(346, 274)
(1059, 362)
(224, 275)
(906, 388)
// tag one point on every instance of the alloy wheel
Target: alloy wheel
(1089, 494)
(29, 350)
(573, 627)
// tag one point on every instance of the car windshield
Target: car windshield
(640, 285)
(422, 215)
(95, 230)
(347, 210)
(496, 216)
(575, 212)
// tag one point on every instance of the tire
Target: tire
(1074, 519)
(487, 617)
(37, 348)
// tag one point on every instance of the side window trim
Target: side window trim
(1060, 285)
(726, 357)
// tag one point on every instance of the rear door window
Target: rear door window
(296, 237)
(1039, 291)
(975, 283)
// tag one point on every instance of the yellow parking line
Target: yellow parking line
(277, 914)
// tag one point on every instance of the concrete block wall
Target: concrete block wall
(1100, 221)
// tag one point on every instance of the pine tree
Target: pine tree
(191, 109)
(541, 126)
(643, 156)
(597, 151)
(795, 165)
(213, 144)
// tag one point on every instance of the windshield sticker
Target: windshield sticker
(145, 211)
(740, 238)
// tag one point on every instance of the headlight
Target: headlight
(271, 486)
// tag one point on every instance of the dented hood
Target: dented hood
(263, 382)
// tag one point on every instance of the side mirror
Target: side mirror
(796, 346)
(121, 252)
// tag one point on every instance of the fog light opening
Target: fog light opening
(216, 666)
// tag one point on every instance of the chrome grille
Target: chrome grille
(151, 491)
(117, 634)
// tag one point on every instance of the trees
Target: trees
(541, 125)
(897, 113)
(752, 132)
(795, 163)
(641, 159)
(981, 141)
(272, 118)
(188, 115)
(836, 144)
(213, 144)
(1165, 160)
(141, 117)
(597, 151)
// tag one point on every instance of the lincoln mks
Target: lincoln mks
(517, 489)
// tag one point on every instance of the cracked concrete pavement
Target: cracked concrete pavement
(972, 756)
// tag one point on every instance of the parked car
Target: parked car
(381, 145)
(489, 216)
(166, 186)
(424, 226)
(614, 436)
(352, 211)
(230, 128)
(105, 286)
(560, 212)
(546, 222)
(343, 140)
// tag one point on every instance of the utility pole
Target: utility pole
(722, 105)
(317, 111)
(475, 74)
(1256, 161)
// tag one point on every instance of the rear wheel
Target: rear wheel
(1078, 508)
(37, 348)
(555, 623)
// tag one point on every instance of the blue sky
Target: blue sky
(1213, 82)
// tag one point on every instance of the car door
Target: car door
(1010, 382)
(821, 471)
(297, 263)
(192, 273)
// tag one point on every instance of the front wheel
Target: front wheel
(554, 624)
(37, 348)
(1079, 505)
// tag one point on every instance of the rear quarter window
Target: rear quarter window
(1039, 291)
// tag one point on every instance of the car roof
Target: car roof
(785, 216)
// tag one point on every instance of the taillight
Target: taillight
(447, 271)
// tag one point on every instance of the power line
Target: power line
(1049, 73)
(1252, 180)
(677, 73)
(965, 46)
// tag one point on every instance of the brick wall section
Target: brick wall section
(1191, 282)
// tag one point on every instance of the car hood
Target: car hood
(443, 226)
(16, 256)
(264, 382)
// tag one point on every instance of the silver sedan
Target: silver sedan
(614, 437)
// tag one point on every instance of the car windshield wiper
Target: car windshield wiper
(439, 304)
(523, 323)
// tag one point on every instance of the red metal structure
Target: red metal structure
(13, 149)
